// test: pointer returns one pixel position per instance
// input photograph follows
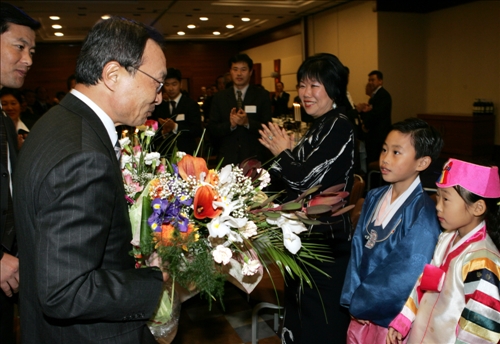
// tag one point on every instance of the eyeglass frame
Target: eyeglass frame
(158, 89)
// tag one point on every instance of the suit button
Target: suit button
(4, 175)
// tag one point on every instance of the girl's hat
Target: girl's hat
(480, 180)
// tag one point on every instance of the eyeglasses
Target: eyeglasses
(158, 89)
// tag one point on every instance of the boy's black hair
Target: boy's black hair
(426, 140)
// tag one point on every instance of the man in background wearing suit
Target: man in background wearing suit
(280, 100)
(78, 281)
(17, 44)
(237, 115)
(178, 114)
(376, 116)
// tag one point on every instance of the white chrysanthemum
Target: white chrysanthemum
(251, 268)
(180, 155)
(222, 254)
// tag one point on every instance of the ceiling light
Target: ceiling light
(56, 26)
(230, 26)
(58, 34)
(245, 19)
(181, 33)
(216, 33)
(191, 26)
(105, 17)
(54, 17)
(203, 18)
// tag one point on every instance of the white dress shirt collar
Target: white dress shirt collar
(103, 116)
(243, 91)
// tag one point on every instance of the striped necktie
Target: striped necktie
(239, 101)
(118, 150)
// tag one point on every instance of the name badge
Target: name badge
(180, 117)
(250, 108)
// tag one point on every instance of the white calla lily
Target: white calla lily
(290, 226)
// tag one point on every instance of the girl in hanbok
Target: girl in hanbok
(456, 299)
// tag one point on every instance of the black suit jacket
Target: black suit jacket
(187, 115)
(5, 174)
(280, 104)
(377, 122)
(79, 284)
(237, 145)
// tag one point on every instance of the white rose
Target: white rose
(251, 268)
(222, 254)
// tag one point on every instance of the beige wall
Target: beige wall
(463, 54)
(350, 33)
(402, 59)
(289, 50)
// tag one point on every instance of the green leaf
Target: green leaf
(308, 192)
(343, 210)
(272, 215)
(145, 238)
(318, 209)
(291, 206)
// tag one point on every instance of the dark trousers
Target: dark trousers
(7, 318)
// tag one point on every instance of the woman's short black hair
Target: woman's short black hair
(14, 92)
(329, 71)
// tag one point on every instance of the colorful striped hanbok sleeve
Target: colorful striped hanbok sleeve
(402, 322)
(480, 319)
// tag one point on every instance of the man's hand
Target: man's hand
(238, 117)
(363, 107)
(9, 274)
(167, 125)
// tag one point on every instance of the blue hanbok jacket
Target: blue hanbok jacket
(379, 279)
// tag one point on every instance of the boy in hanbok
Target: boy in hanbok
(395, 236)
(456, 300)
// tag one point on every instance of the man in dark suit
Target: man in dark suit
(178, 114)
(17, 44)
(280, 100)
(78, 281)
(376, 116)
(237, 115)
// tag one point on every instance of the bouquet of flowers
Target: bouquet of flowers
(203, 226)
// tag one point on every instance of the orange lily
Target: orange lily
(192, 166)
(203, 203)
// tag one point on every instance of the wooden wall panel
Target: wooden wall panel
(199, 62)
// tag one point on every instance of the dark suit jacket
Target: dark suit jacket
(237, 145)
(4, 177)
(280, 104)
(78, 284)
(377, 122)
(190, 128)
